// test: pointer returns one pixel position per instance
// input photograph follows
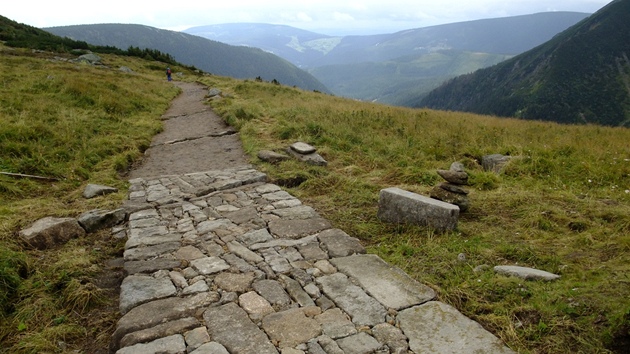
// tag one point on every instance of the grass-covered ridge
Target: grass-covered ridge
(562, 206)
(79, 124)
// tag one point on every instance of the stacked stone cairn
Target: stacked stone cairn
(452, 191)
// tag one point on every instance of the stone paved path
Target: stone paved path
(223, 262)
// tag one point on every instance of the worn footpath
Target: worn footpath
(220, 261)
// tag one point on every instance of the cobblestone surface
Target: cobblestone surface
(223, 262)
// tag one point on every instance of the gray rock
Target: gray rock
(273, 292)
(389, 285)
(150, 266)
(399, 206)
(189, 253)
(244, 252)
(160, 311)
(340, 244)
(526, 273)
(336, 324)
(360, 343)
(50, 232)
(242, 216)
(459, 199)
(126, 70)
(98, 219)
(238, 263)
(229, 325)
(178, 279)
(95, 190)
(142, 253)
(457, 167)
(364, 310)
(314, 348)
(210, 348)
(495, 162)
(271, 156)
(283, 243)
(90, 58)
(312, 251)
(209, 265)
(212, 225)
(174, 344)
(303, 148)
(160, 331)
(255, 305)
(290, 328)
(329, 345)
(314, 159)
(435, 327)
(257, 236)
(150, 239)
(232, 282)
(138, 289)
(392, 336)
(453, 188)
(296, 292)
(298, 212)
(196, 338)
(144, 214)
(455, 177)
(198, 287)
(213, 92)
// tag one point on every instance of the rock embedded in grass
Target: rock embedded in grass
(50, 231)
(526, 273)
(94, 190)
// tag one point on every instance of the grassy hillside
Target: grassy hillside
(580, 76)
(210, 56)
(80, 124)
(562, 205)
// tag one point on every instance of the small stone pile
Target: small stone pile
(451, 191)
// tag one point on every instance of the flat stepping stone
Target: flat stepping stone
(290, 328)
(138, 289)
(364, 310)
(436, 327)
(174, 344)
(389, 285)
(526, 273)
(230, 325)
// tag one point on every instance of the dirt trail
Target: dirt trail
(194, 139)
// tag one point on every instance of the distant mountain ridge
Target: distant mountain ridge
(580, 76)
(211, 56)
(394, 68)
(507, 35)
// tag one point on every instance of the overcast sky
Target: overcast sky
(336, 17)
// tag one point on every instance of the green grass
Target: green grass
(79, 124)
(561, 205)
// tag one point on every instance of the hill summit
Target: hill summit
(580, 76)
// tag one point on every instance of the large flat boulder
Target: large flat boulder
(435, 327)
(399, 206)
(50, 231)
(389, 285)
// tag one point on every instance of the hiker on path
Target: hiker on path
(168, 74)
